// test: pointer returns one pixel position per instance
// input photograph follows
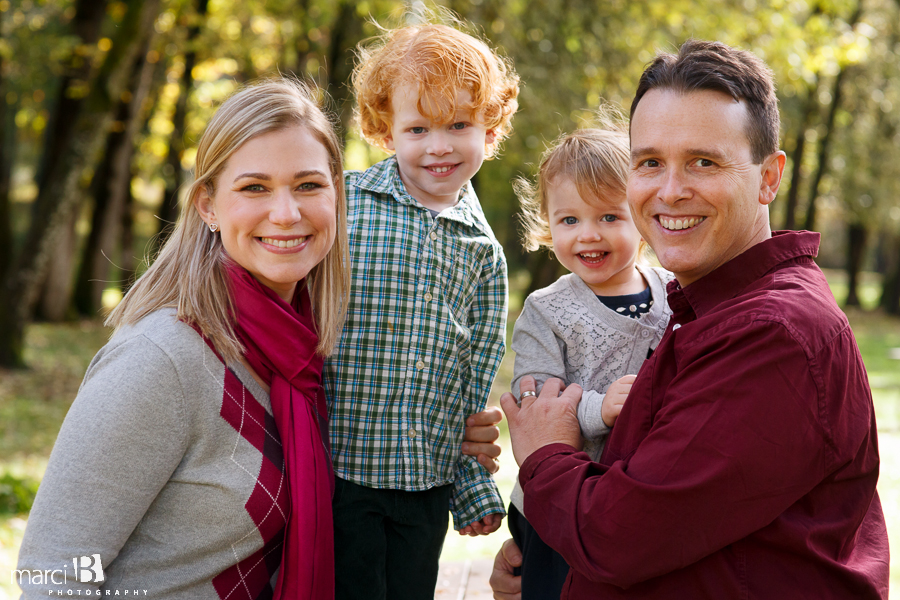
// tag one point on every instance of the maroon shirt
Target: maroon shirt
(744, 462)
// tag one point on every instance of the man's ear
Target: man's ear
(205, 206)
(772, 170)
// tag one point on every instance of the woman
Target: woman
(182, 474)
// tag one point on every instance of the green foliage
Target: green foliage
(572, 56)
(16, 494)
(33, 402)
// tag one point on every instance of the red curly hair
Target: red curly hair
(440, 61)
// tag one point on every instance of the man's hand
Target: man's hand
(546, 419)
(504, 584)
(481, 437)
(616, 394)
(489, 524)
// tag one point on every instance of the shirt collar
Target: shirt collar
(384, 178)
(730, 279)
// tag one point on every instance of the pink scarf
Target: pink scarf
(280, 342)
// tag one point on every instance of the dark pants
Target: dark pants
(543, 569)
(387, 543)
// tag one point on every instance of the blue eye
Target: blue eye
(417, 130)
(459, 126)
(609, 218)
(570, 220)
(309, 185)
(253, 187)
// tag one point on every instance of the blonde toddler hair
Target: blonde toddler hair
(596, 160)
(189, 274)
(438, 60)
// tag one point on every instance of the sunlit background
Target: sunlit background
(101, 104)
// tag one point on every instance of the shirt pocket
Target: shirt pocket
(460, 274)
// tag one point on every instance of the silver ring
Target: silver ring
(526, 394)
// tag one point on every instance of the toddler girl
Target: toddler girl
(593, 327)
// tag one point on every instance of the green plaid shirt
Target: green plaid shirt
(424, 335)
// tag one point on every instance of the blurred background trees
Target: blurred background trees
(102, 102)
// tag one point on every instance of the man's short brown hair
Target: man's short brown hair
(701, 65)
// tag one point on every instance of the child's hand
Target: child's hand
(489, 524)
(616, 394)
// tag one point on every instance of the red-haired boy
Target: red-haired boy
(425, 330)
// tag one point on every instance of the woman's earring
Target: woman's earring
(214, 227)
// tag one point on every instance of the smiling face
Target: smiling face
(435, 159)
(696, 195)
(275, 207)
(597, 241)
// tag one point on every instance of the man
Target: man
(744, 462)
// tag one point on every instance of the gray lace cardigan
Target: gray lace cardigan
(564, 331)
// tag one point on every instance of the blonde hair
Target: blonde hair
(439, 60)
(189, 273)
(596, 160)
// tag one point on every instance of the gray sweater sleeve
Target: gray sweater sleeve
(589, 416)
(541, 353)
(119, 444)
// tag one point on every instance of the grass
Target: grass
(33, 404)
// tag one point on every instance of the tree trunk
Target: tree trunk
(7, 156)
(56, 284)
(545, 269)
(890, 291)
(112, 183)
(346, 33)
(57, 200)
(53, 304)
(790, 208)
(168, 211)
(823, 154)
(301, 42)
(86, 25)
(825, 142)
(857, 235)
(128, 261)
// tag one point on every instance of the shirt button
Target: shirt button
(433, 235)
(676, 326)
(428, 296)
(411, 433)
(645, 334)
(420, 364)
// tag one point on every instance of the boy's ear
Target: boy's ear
(389, 142)
(490, 136)
(204, 205)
